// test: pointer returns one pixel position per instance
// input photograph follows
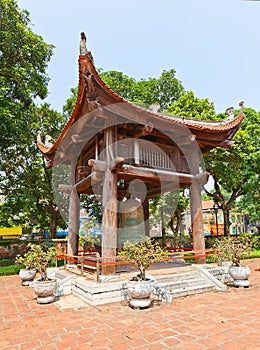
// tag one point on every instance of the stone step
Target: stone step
(113, 289)
(182, 292)
(98, 299)
(171, 285)
(193, 275)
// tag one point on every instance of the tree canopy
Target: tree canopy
(236, 170)
(163, 90)
(23, 64)
(25, 182)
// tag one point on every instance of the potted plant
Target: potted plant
(235, 250)
(142, 254)
(89, 241)
(28, 273)
(41, 256)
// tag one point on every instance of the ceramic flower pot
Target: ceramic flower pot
(27, 276)
(240, 275)
(45, 291)
(140, 292)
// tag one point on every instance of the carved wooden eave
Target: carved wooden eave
(97, 105)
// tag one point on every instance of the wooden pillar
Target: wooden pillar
(197, 220)
(196, 209)
(74, 211)
(109, 219)
(146, 216)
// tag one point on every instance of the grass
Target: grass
(213, 258)
(254, 254)
(9, 270)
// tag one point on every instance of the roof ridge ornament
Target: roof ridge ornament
(230, 112)
(242, 107)
(83, 44)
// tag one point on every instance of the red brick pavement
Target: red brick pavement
(216, 320)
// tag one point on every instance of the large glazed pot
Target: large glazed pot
(240, 275)
(27, 276)
(140, 292)
(45, 291)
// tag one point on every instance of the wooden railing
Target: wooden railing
(91, 262)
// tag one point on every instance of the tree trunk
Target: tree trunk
(146, 217)
(178, 223)
(163, 229)
(53, 224)
(226, 221)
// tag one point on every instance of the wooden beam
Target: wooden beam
(87, 182)
(83, 171)
(98, 165)
(202, 178)
(154, 174)
(116, 164)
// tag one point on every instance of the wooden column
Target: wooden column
(196, 208)
(197, 220)
(74, 211)
(109, 220)
(146, 216)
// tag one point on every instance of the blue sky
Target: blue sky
(213, 45)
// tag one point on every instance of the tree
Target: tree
(191, 107)
(169, 208)
(23, 64)
(163, 90)
(26, 182)
(236, 170)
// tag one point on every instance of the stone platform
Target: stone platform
(173, 279)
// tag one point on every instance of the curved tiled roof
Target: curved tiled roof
(86, 64)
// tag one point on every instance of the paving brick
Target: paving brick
(31, 345)
(211, 321)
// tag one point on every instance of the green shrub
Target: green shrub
(142, 254)
(9, 270)
(5, 262)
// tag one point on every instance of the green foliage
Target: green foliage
(23, 64)
(171, 205)
(89, 241)
(70, 103)
(233, 249)
(9, 270)
(255, 254)
(191, 107)
(163, 90)
(239, 172)
(5, 262)
(38, 257)
(25, 182)
(142, 254)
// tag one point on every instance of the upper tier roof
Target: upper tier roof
(96, 103)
